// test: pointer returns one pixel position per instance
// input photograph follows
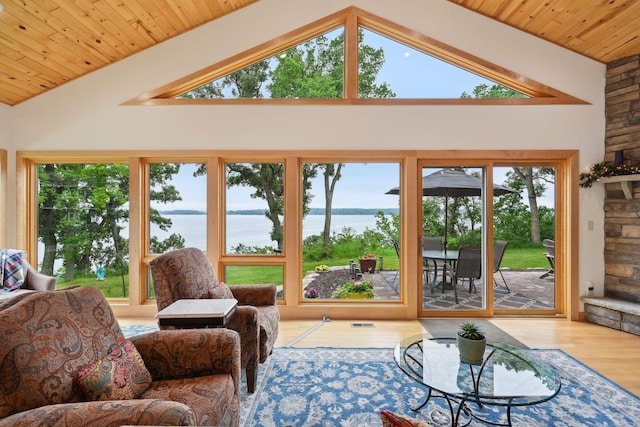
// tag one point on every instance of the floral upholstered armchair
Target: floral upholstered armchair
(188, 274)
(66, 362)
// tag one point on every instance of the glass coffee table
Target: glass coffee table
(508, 376)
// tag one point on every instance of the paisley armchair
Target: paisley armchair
(188, 274)
(50, 336)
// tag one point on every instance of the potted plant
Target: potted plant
(367, 263)
(354, 289)
(471, 343)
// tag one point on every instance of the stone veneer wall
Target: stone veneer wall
(622, 216)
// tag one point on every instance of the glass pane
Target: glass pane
(523, 276)
(348, 217)
(313, 69)
(254, 202)
(254, 275)
(453, 214)
(178, 206)
(391, 69)
(83, 234)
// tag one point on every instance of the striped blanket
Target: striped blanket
(11, 269)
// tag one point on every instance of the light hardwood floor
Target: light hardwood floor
(612, 353)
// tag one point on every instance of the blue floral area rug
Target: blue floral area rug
(349, 387)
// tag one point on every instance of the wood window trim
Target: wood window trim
(351, 19)
(566, 162)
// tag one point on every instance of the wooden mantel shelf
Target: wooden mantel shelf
(625, 182)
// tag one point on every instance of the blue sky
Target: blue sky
(363, 185)
(413, 74)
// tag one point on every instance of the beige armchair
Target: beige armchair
(187, 273)
(49, 336)
(33, 281)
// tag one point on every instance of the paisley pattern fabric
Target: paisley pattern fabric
(220, 290)
(120, 375)
(188, 274)
(46, 337)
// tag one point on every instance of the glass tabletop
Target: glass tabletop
(508, 375)
(443, 255)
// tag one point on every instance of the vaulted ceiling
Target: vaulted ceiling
(46, 43)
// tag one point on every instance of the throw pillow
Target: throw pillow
(220, 290)
(391, 419)
(12, 269)
(120, 375)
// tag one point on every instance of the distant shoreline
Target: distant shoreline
(313, 211)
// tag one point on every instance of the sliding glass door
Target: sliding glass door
(453, 216)
(524, 240)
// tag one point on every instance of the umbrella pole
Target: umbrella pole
(446, 223)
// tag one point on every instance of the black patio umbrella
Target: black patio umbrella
(453, 183)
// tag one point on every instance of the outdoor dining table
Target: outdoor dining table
(448, 256)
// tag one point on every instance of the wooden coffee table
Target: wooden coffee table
(197, 313)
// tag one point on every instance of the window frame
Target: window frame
(293, 306)
(351, 19)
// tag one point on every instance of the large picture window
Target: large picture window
(350, 232)
(178, 206)
(307, 222)
(83, 216)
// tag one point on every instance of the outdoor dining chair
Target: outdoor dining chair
(468, 267)
(431, 244)
(498, 252)
(550, 246)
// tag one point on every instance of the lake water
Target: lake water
(253, 230)
(250, 230)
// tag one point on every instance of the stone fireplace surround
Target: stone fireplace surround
(620, 307)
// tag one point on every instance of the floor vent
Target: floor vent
(363, 325)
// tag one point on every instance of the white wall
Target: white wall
(5, 113)
(87, 113)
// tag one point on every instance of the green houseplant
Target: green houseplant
(471, 343)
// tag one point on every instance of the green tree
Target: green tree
(433, 221)
(245, 83)
(82, 211)
(331, 174)
(493, 91)
(534, 181)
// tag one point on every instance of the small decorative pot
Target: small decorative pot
(471, 351)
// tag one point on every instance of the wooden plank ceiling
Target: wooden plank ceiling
(46, 43)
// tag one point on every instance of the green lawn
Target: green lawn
(111, 287)
(514, 258)
(523, 258)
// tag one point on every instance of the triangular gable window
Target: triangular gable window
(356, 58)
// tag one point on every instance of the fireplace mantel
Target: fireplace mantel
(625, 182)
